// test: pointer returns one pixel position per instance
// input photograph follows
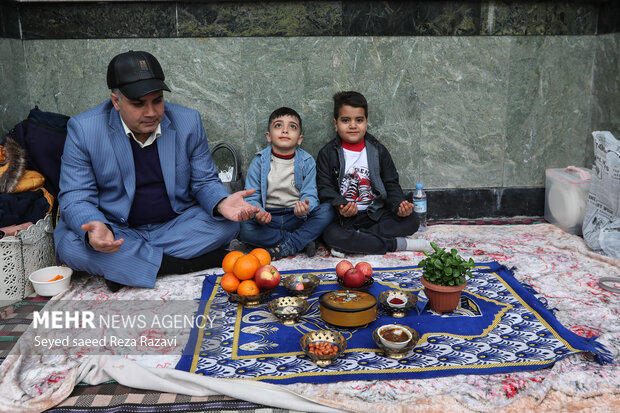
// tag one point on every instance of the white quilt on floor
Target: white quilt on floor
(556, 264)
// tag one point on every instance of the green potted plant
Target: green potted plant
(444, 278)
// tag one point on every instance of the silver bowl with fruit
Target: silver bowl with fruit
(253, 300)
(358, 277)
(363, 287)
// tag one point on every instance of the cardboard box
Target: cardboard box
(566, 192)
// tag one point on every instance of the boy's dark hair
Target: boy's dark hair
(283, 111)
(351, 98)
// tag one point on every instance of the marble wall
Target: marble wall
(473, 95)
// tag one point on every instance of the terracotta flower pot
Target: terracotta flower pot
(443, 299)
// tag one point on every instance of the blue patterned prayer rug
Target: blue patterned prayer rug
(499, 327)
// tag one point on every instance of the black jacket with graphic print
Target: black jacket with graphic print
(383, 177)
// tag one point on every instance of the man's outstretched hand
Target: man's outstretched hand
(235, 208)
(101, 238)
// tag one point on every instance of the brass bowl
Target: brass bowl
(393, 352)
(288, 309)
(250, 300)
(319, 336)
(364, 287)
(396, 310)
(309, 281)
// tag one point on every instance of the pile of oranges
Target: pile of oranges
(239, 270)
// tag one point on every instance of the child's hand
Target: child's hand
(263, 217)
(405, 209)
(348, 210)
(302, 208)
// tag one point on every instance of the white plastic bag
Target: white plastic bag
(601, 223)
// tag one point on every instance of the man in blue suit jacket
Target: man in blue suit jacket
(139, 194)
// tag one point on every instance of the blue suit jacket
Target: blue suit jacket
(97, 180)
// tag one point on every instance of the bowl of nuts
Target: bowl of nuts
(323, 346)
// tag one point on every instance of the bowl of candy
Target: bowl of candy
(301, 285)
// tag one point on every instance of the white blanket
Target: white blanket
(557, 264)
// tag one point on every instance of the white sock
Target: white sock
(417, 244)
(337, 254)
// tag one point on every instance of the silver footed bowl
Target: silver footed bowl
(288, 309)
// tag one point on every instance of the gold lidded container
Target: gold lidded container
(348, 308)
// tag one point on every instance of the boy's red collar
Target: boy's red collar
(277, 155)
(355, 147)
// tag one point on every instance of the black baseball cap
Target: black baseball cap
(136, 74)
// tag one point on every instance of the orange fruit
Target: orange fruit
(246, 266)
(262, 254)
(229, 282)
(247, 287)
(229, 260)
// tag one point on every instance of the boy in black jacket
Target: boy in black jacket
(356, 175)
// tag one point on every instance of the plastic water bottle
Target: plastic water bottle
(419, 206)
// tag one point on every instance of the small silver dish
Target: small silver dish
(364, 287)
(394, 352)
(388, 298)
(301, 285)
(322, 336)
(288, 309)
(250, 300)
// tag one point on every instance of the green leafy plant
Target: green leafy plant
(445, 268)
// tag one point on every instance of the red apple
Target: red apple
(342, 267)
(353, 278)
(364, 268)
(267, 277)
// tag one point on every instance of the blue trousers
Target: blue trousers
(287, 230)
(189, 235)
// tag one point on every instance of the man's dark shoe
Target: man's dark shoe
(113, 286)
(310, 249)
